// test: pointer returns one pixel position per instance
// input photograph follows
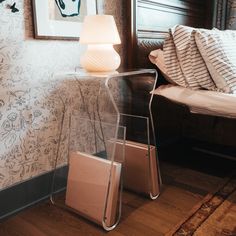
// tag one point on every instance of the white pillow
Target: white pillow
(218, 48)
(171, 61)
(157, 58)
(191, 61)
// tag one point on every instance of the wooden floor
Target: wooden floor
(183, 188)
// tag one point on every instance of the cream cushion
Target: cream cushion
(157, 58)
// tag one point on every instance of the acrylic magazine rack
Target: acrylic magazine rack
(92, 178)
(140, 169)
(88, 181)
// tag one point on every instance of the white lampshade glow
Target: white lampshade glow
(100, 33)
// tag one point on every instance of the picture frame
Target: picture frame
(61, 19)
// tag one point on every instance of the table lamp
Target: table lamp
(100, 33)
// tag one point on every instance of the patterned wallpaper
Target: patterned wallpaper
(27, 99)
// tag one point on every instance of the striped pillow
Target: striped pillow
(173, 68)
(191, 61)
(218, 49)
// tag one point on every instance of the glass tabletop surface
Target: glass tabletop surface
(120, 72)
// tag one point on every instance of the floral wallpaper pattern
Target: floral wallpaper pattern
(32, 101)
(32, 118)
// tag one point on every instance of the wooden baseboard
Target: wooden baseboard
(23, 195)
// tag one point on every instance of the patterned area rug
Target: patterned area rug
(214, 216)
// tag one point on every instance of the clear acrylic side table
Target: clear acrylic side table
(89, 181)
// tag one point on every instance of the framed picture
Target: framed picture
(61, 19)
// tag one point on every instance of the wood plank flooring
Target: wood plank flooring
(183, 188)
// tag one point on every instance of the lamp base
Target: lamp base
(100, 58)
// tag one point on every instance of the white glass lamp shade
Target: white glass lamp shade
(99, 29)
(100, 33)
